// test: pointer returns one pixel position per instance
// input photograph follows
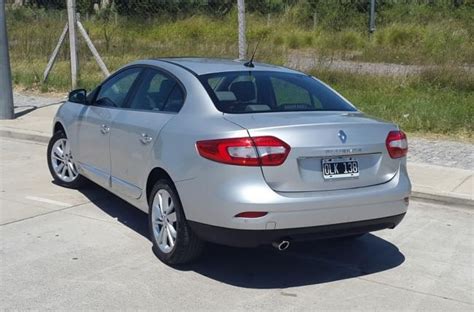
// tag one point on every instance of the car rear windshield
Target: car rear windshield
(265, 91)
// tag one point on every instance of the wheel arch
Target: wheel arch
(156, 174)
(58, 126)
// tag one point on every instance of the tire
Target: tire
(60, 158)
(174, 243)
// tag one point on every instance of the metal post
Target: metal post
(6, 93)
(71, 14)
(372, 17)
(242, 40)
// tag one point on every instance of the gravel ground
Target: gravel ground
(308, 61)
(25, 102)
(431, 151)
(441, 153)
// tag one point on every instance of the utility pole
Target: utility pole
(242, 40)
(71, 15)
(372, 17)
(6, 93)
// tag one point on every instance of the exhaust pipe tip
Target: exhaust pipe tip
(283, 245)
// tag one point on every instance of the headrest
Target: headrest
(244, 91)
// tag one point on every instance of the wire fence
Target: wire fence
(125, 30)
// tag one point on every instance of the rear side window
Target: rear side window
(175, 100)
(158, 92)
(262, 91)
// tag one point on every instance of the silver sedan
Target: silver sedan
(242, 154)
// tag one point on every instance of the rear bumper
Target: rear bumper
(217, 199)
(254, 238)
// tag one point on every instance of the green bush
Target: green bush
(401, 35)
(293, 41)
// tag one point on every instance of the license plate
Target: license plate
(335, 168)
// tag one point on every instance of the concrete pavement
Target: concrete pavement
(64, 249)
(449, 185)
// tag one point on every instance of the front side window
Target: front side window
(262, 91)
(114, 91)
(158, 92)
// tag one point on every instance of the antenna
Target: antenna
(250, 63)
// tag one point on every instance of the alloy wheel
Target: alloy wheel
(164, 221)
(62, 161)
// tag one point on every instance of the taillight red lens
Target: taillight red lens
(258, 151)
(251, 214)
(397, 144)
(272, 151)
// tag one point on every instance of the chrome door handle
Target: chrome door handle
(104, 129)
(145, 139)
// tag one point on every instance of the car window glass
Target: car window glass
(290, 94)
(91, 95)
(242, 92)
(153, 92)
(214, 82)
(175, 100)
(114, 91)
(244, 89)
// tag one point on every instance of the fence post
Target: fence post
(6, 93)
(53, 57)
(242, 40)
(372, 17)
(71, 14)
(91, 46)
(315, 20)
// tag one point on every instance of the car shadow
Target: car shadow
(265, 267)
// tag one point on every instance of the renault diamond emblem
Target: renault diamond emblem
(342, 136)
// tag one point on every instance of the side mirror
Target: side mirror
(78, 96)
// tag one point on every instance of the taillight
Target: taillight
(397, 144)
(257, 151)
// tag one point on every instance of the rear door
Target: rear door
(156, 100)
(93, 131)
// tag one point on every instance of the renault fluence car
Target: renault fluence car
(242, 154)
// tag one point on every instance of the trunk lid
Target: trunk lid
(313, 136)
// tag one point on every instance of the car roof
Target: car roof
(202, 66)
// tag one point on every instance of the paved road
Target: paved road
(64, 249)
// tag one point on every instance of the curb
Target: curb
(458, 201)
(23, 135)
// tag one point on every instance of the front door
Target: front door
(155, 101)
(93, 133)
